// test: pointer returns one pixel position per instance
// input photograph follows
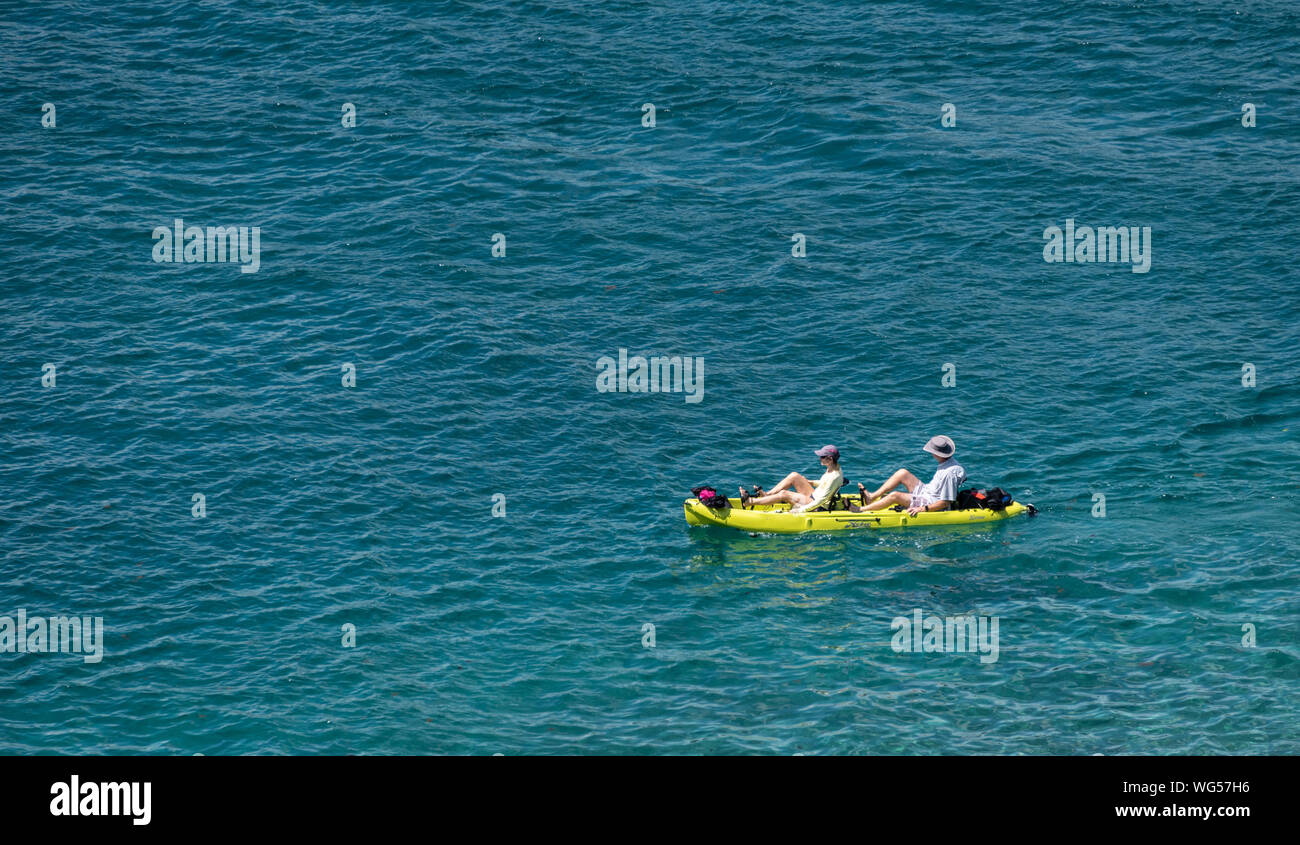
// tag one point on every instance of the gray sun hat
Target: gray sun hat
(940, 446)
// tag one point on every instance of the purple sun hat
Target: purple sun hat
(829, 452)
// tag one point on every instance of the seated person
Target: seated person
(798, 491)
(938, 495)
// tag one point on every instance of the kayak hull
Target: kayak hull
(777, 519)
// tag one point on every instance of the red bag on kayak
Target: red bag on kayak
(709, 497)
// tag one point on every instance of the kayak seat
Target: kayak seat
(836, 502)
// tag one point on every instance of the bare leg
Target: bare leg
(794, 481)
(790, 497)
(903, 477)
(898, 497)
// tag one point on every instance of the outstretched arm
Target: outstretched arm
(941, 505)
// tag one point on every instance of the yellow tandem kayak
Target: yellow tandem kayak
(777, 519)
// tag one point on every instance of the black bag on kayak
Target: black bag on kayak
(710, 497)
(995, 499)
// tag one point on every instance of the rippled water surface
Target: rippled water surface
(372, 505)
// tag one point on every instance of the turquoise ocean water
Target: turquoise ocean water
(372, 505)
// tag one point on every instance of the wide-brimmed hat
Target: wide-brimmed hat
(829, 452)
(940, 446)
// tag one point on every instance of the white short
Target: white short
(922, 499)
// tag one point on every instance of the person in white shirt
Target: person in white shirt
(798, 491)
(938, 495)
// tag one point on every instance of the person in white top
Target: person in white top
(798, 491)
(938, 495)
